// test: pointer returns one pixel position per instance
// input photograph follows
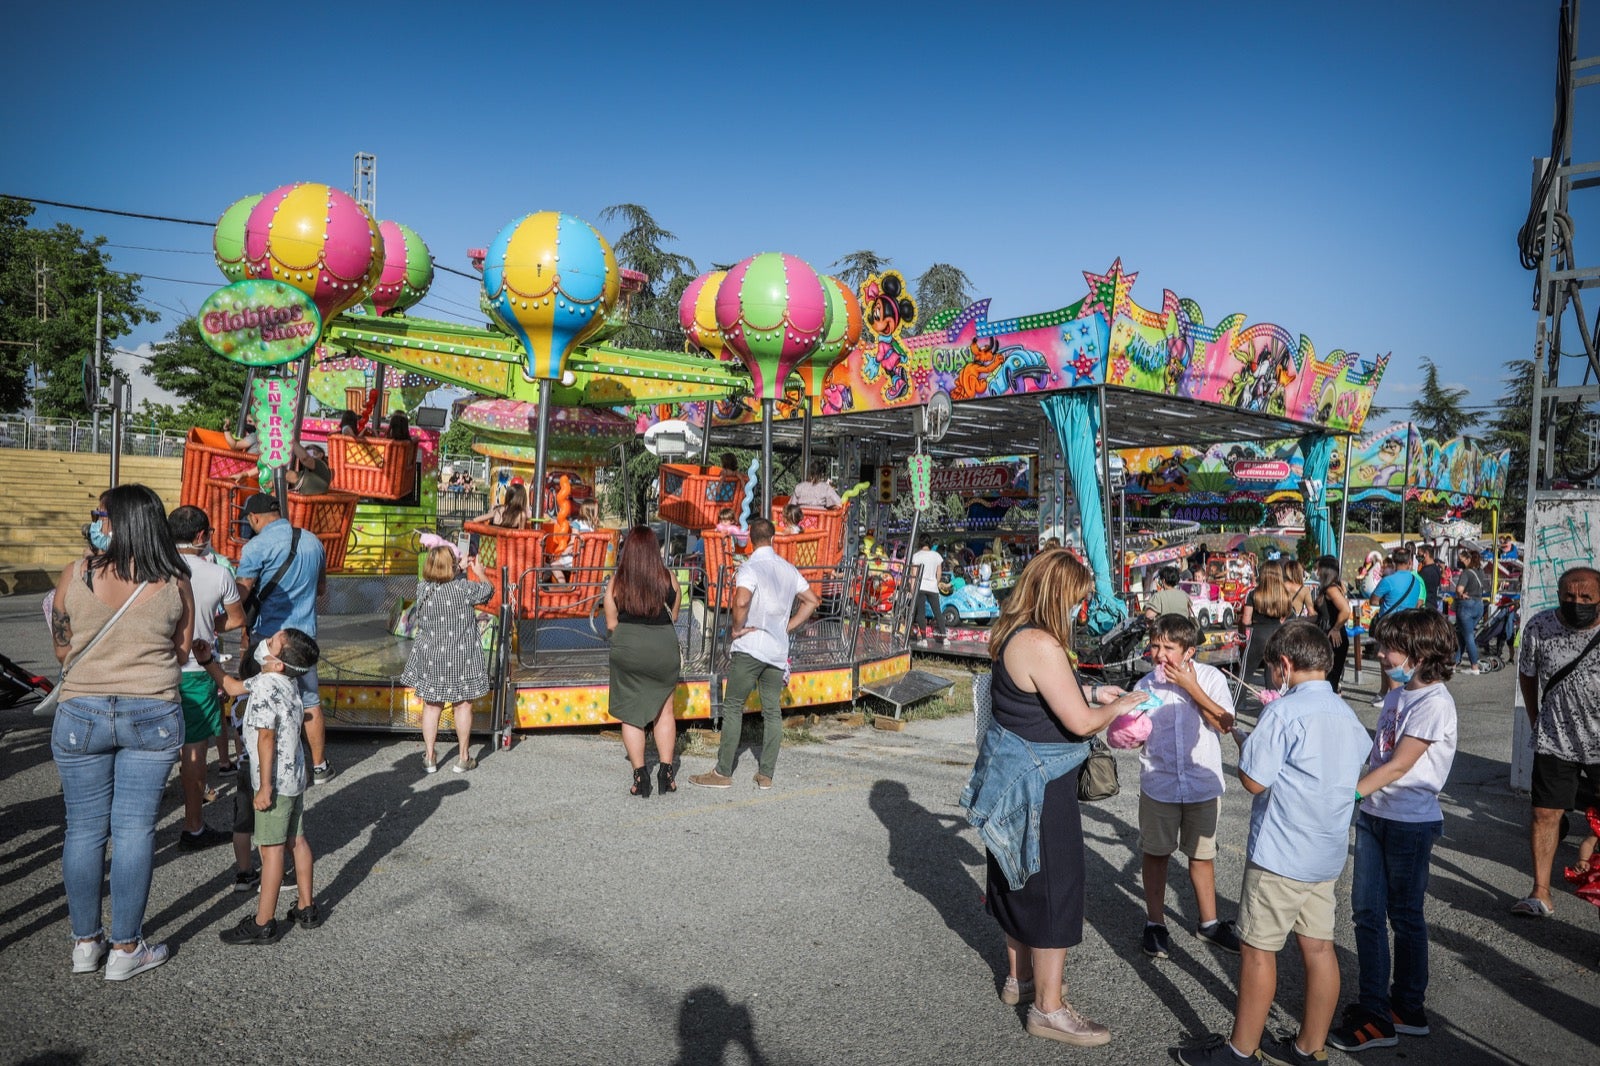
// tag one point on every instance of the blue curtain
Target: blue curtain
(1075, 416)
(1317, 448)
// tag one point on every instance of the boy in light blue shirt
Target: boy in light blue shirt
(1301, 764)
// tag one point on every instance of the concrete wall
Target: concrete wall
(47, 497)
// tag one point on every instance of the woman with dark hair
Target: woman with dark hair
(1331, 608)
(511, 512)
(399, 426)
(1265, 608)
(1044, 716)
(349, 424)
(1469, 603)
(119, 726)
(446, 661)
(641, 605)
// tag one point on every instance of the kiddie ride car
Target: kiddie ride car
(966, 603)
(1207, 604)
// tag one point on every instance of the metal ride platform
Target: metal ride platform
(549, 656)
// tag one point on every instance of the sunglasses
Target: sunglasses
(95, 515)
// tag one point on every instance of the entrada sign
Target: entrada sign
(259, 322)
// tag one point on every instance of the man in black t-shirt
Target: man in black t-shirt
(1432, 576)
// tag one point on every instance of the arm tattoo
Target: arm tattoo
(60, 627)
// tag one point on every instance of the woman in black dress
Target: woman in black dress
(1264, 611)
(641, 605)
(1332, 609)
(1039, 697)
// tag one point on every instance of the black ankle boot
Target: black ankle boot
(641, 782)
(667, 777)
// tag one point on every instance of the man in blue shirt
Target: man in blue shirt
(1301, 764)
(290, 603)
(1402, 589)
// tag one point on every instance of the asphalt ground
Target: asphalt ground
(532, 912)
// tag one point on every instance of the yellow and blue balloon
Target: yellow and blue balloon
(550, 280)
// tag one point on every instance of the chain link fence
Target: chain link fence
(78, 435)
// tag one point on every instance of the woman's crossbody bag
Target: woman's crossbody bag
(47, 706)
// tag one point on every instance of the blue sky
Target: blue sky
(1355, 172)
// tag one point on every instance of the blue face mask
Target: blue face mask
(1400, 675)
(99, 539)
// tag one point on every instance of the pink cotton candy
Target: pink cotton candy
(1128, 730)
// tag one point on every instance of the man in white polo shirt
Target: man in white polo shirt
(764, 614)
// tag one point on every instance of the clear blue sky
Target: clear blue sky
(1355, 172)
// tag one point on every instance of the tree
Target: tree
(642, 246)
(212, 388)
(858, 266)
(152, 415)
(941, 288)
(457, 440)
(1437, 410)
(1509, 430)
(72, 270)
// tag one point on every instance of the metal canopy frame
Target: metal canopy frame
(1009, 425)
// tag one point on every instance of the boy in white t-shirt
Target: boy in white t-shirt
(1181, 780)
(1396, 827)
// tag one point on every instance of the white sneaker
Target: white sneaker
(125, 964)
(89, 954)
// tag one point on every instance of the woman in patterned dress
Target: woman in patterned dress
(446, 663)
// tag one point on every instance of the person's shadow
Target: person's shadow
(708, 1024)
(929, 855)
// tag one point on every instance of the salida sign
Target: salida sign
(259, 322)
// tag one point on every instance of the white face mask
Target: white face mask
(262, 654)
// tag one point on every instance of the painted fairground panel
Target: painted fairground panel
(1104, 338)
(1457, 471)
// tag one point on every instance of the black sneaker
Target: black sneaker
(1156, 942)
(206, 838)
(1283, 1051)
(1222, 935)
(246, 880)
(248, 932)
(1361, 1029)
(1409, 1022)
(306, 917)
(1215, 1052)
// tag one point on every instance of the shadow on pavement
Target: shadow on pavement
(708, 1025)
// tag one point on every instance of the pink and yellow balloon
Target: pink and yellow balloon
(407, 269)
(317, 239)
(697, 313)
(772, 310)
(550, 281)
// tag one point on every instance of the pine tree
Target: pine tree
(1437, 410)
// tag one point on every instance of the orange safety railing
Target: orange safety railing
(206, 458)
(721, 556)
(375, 467)
(510, 550)
(328, 517)
(691, 496)
(572, 598)
(829, 521)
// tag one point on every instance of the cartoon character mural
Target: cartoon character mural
(888, 309)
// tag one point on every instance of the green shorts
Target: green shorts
(202, 710)
(279, 823)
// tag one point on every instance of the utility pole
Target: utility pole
(41, 312)
(365, 185)
(99, 336)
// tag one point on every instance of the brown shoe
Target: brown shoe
(763, 781)
(1067, 1026)
(1015, 992)
(711, 779)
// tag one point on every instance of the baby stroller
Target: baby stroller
(1114, 658)
(1497, 636)
(17, 685)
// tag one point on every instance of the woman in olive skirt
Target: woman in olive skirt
(641, 609)
(446, 662)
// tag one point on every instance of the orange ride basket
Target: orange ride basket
(374, 467)
(691, 496)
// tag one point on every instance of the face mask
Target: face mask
(99, 539)
(1579, 615)
(262, 654)
(1400, 675)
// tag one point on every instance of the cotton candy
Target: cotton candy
(1128, 731)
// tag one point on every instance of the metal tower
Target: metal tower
(365, 185)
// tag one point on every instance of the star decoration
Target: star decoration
(1083, 367)
(1108, 292)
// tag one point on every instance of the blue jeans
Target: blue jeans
(1390, 881)
(1468, 614)
(114, 754)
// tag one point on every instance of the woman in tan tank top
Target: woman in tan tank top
(119, 726)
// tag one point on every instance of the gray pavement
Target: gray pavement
(530, 911)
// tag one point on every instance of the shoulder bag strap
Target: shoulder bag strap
(271, 586)
(1561, 674)
(112, 621)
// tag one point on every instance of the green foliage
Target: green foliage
(75, 268)
(1437, 408)
(152, 415)
(212, 388)
(457, 440)
(642, 246)
(1305, 551)
(942, 288)
(1508, 429)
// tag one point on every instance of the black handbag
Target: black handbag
(1097, 778)
(256, 597)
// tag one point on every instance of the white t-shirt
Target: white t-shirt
(931, 562)
(275, 704)
(814, 494)
(774, 583)
(213, 590)
(1429, 714)
(1181, 762)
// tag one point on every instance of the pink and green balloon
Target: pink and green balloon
(407, 269)
(772, 311)
(317, 239)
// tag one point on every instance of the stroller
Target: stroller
(1497, 635)
(17, 685)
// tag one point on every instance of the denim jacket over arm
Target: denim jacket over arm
(1005, 796)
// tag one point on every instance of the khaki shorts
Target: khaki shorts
(279, 823)
(1168, 827)
(1271, 906)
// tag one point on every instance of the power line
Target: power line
(144, 248)
(107, 210)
